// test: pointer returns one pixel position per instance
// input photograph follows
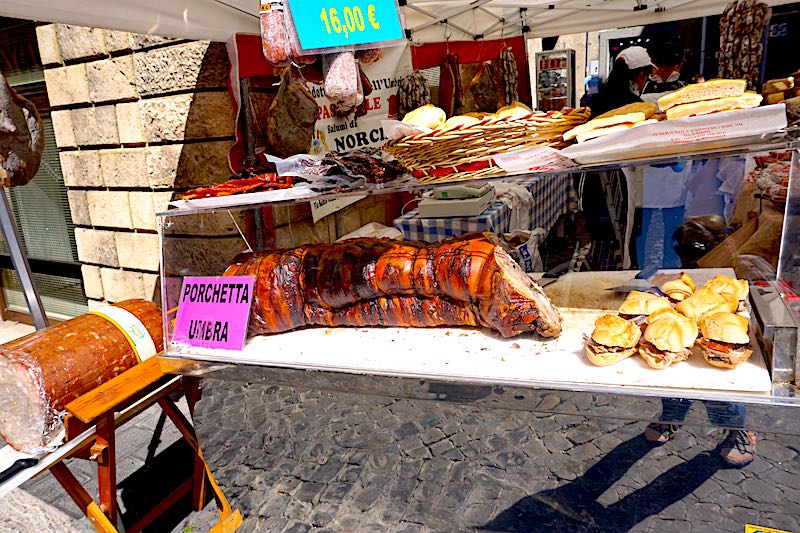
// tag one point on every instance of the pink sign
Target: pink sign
(213, 312)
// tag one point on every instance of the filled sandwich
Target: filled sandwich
(669, 338)
(724, 341)
(730, 287)
(612, 340)
(711, 96)
(703, 301)
(679, 289)
(639, 305)
(619, 119)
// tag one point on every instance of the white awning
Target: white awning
(219, 19)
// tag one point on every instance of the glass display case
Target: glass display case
(629, 218)
(460, 428)
(555, 79)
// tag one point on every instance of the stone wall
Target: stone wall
(136, 118)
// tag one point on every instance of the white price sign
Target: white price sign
(324, 207)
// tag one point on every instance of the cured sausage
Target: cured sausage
(44, 371)
(342, 83)
(468, 280)
(274, 40)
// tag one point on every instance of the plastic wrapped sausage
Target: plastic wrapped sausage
(44, 371)
(274, 41)
(342, 83)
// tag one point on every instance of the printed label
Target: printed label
(133, 329)
(325, 206)
(533, 160)
(213, 312)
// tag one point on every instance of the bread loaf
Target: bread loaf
(708, 90)
(730, 103)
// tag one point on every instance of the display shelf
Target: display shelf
(302, 195)
(774, 412)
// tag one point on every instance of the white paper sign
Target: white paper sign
(325, 206)
(533, 160)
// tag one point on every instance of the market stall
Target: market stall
(313, 308)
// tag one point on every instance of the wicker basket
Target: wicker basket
(481, 141)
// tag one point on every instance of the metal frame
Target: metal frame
(21, 265)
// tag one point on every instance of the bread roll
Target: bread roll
(708, 90)
(728, 286)
(643, 303)
(661, 313)
(731, 103)
(460, 120)
(427, 116)
(703, 301)
(514, 110)
(612, 330)
(672, 332)
(725, 327)
(679, 289)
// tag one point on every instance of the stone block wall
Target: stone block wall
(136, 117)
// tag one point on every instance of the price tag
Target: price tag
(324, 207)
(213, 312)
(341, 23)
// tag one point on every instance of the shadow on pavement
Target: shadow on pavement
(150, 485)
(573, 507)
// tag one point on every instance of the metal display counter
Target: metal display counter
(318, 447)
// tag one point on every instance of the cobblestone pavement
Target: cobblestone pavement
(297, 462)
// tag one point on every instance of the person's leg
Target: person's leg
(673, 218)
(739, 447)
(673, 412)
(641, 238)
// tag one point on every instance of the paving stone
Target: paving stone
(309, 491)
(556, 443)
(274, 505)
(769, 449)
(296, 527)
(584, 452)
(442, 447)
(323, 514)
(761, 491)
(433, 435)
(367, 497)
(336, 492)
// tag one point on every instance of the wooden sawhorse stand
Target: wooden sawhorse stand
(129, 394)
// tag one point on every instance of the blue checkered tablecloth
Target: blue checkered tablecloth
(414, 228)
(553, 196)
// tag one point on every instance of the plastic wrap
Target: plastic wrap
(44, 371)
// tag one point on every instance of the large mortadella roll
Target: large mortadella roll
(465, 281)
(44, 371)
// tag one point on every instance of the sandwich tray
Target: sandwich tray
(717, 131)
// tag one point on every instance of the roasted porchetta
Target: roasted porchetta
(465, 281)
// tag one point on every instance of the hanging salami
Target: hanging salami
(273, 32)
(742, 28)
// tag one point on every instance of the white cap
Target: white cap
(635, 57)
